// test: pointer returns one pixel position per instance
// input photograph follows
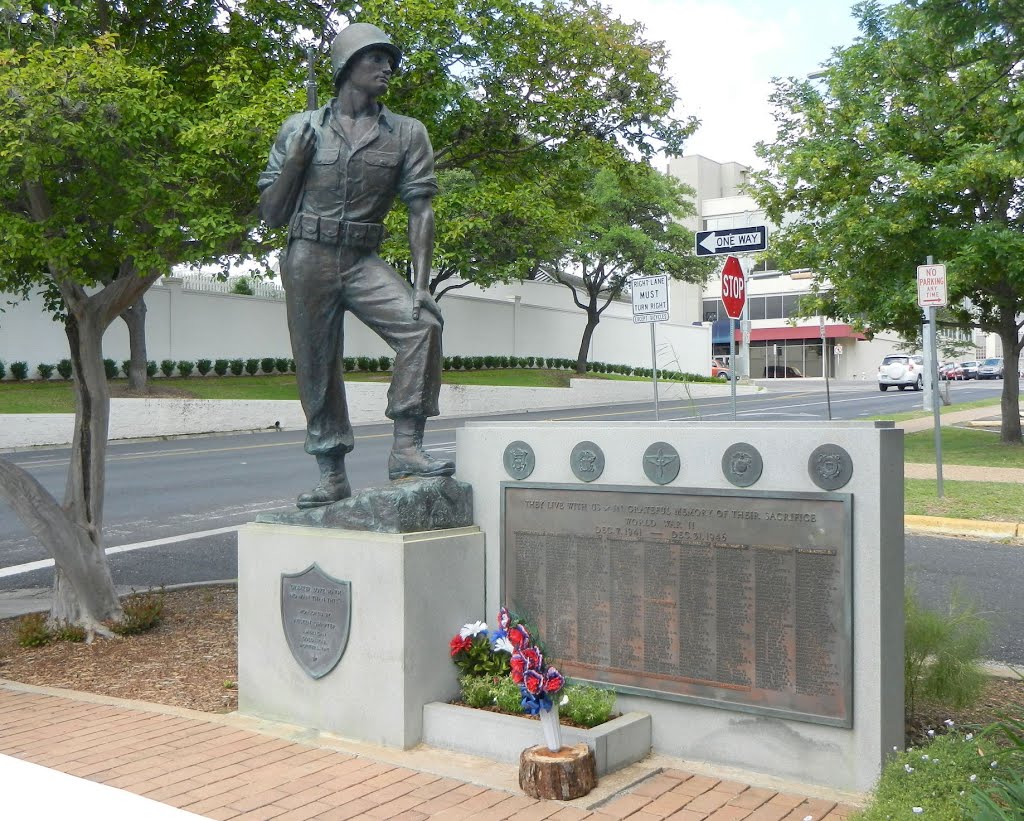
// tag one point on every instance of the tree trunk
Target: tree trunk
(135, 318)
(1009, 428)
(73, 551)
(593, 317)
(84, 590)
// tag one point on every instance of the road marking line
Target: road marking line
(18, 569)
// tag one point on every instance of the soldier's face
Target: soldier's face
(370, 71)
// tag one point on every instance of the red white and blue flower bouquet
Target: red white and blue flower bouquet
(538, 681)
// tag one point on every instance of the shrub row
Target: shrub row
(370, 364)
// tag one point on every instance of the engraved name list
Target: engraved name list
(731, 599)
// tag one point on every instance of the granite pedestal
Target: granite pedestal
(409, 593)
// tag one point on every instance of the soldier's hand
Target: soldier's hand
(421, 299)
(301, 146)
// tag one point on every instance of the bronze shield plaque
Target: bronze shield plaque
(316, 610)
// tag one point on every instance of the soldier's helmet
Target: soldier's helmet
(356, 38)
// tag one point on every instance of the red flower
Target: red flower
(532, 657)
(459, 643)
(553, 680)
(533, 682)
(518, 635)
(504, 619)
(518, 666)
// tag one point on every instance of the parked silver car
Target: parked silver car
(991, 368)
(902, 371)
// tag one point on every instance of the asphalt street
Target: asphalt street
(173, 506)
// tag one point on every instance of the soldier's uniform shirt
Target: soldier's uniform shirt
(331, 266)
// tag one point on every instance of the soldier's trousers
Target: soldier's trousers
(321, 283)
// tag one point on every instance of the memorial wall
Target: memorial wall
(726, 598)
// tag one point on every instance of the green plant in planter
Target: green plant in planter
(587, 705)
(474, 654)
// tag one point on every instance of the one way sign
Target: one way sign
(732, 241)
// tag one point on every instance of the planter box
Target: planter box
(500, 737)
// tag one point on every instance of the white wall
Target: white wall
(524, 319)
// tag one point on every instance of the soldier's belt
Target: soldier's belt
(336, 232)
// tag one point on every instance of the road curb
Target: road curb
(963, 527)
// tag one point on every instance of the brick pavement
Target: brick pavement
(215, 768)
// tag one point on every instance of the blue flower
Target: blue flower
(533, 704)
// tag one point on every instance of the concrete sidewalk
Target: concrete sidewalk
(232, 767)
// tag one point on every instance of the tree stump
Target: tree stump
(569, 773)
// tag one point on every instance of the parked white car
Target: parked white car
(902, 371)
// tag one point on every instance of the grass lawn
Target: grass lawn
(56, 396)
(959, 406)
(963, 446)
(36, 397)
(994, 501)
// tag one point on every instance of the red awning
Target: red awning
(800, 332)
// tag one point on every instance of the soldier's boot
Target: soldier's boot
(407, 455)
(333, 485)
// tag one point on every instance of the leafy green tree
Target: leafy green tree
(910, 144)
(628, 227)
(112, 169)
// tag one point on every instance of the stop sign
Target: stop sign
(734, 288)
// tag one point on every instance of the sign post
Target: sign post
(825, 363)
(931, 295)
(650, 305)
(734, 297)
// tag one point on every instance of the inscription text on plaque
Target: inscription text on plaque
(316, 610)
(727, 598)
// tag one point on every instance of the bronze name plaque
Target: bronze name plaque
(731, 599)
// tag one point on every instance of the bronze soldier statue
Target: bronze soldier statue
(332, 177)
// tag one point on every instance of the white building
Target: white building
(780, 344)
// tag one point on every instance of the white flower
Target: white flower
(924, 758)
(473, 629)
(564, 701)
(949, 722)
(931, 733)
(995, 764)
(969, 736)
(908, 768)
(974, 777)
(935, 761)
(961, 792)
(895, 749)
(503, 645)
(918, 810)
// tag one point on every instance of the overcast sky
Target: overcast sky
(725, 54)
